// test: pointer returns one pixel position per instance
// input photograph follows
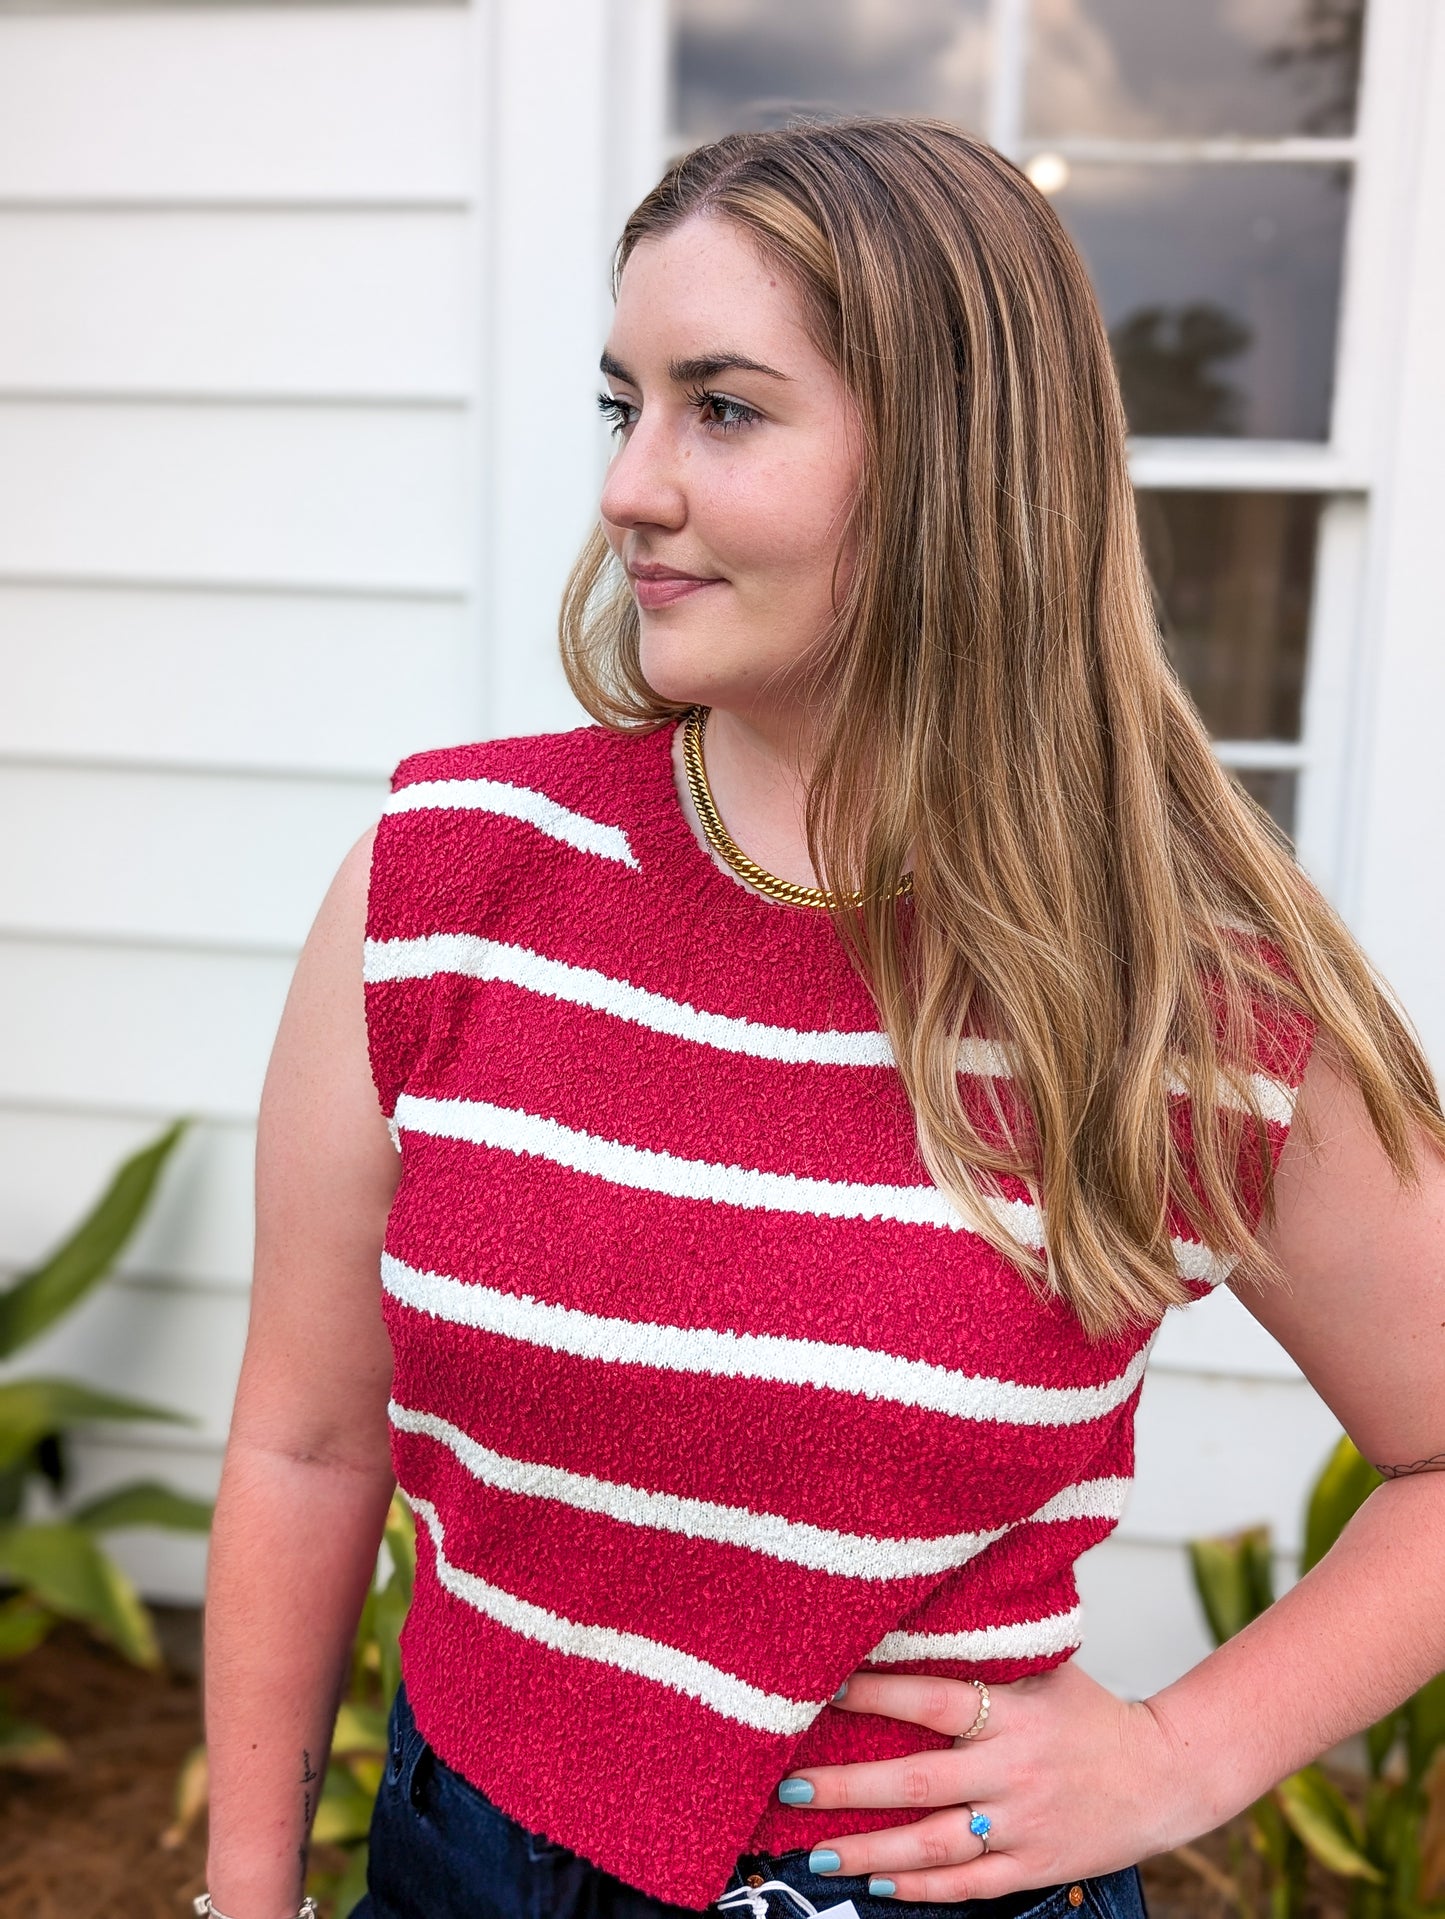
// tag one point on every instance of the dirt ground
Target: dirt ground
(86, 1843)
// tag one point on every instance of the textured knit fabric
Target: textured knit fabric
(704, 1395)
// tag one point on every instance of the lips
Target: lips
(659, 586)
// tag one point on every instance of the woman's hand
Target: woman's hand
(1072, 1781)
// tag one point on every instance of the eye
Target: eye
(621, 414)
(717, 410)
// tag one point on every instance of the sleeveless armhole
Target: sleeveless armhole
(398, 1011)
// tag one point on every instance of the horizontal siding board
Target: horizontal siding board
(228, 680)
(242, 303)
(345, 496)
(135, 1029)
(174, 856)
(1216, 1454)
(198, 1232)
(343, 102)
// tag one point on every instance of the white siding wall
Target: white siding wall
(235, 560)
(284, 288)
(301, 310)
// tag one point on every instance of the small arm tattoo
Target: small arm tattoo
(1434, 1464)
(309, 1776)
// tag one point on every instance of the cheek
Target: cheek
(785, 522)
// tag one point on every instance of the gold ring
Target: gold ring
(980, 1718)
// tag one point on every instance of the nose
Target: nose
(644, 482)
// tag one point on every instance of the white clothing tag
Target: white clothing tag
(846, 1911)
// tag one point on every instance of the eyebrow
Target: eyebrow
(704, 366)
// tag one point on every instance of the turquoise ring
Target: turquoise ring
(980, 1825)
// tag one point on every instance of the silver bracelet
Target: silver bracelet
(203, 1909)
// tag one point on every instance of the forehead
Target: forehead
(702, 281)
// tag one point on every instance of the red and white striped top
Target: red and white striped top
(704, 1395)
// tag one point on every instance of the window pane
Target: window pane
(1275, 789)
(1168, 69)
(1220, 287)
(750, 63)
(1234, 574)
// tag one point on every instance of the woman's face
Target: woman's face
(738, 455)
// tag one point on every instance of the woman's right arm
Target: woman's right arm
(307, 1475)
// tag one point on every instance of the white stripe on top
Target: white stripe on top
(818, 1548)
(471, 957)
(630, 1652)
(1026, 1639)
(856, 1370)
(558, 822)
(468, 956)
(507, 1129)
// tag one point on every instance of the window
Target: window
(1203, 154)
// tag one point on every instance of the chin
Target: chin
(687, 670)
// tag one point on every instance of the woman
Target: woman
(785, 1206)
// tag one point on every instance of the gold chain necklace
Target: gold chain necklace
(790, 892)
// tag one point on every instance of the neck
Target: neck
(757, 771)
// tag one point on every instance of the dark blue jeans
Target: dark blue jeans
(441, 1850)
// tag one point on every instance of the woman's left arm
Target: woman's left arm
(1364, 1316)
(1075, 1782)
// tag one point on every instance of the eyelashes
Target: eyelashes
(715, 410)
(616, 412)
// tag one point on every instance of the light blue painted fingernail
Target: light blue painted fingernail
(824, 1859)
(796, 1792)
(881, 1888)
(841, 1693)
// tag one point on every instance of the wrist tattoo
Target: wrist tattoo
(1434, 1464)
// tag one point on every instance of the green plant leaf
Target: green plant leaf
(1233, 1578)
(144, 1503)
(64, 1568)
(31, 1408)
(1424, 1716)
(351, 1888)
(344, 1814)
(1432, 1830)
(359, 1730)
(390, 1616)
(1269, 1835)
(40, 1297)
(14, 1477)
(1379, 1741)
(28, 1748)
(1321, 1815)
(23, 1624)
(192, 1794)
(400, 1536)
(1341, 1489)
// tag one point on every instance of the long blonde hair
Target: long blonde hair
(1000, 718)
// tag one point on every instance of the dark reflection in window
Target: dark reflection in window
(753, 63)
(1275, 789)
(1234, 575)
(1220, 288)
(1142, 69)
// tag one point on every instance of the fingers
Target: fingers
(945, 1705)
(942, 1839)
(930, 1778)
(936, 1858)
(988, 1877)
